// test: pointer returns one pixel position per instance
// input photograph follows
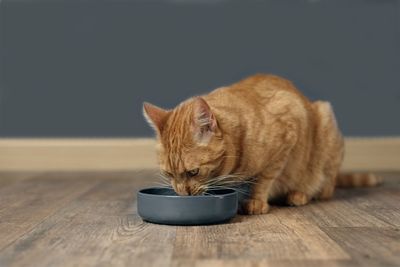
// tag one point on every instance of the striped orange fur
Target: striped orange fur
(261, 127)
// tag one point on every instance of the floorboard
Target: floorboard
(90, 219)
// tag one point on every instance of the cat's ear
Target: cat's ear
(155, 116)
(204, 122)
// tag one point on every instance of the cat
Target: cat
(260, 127)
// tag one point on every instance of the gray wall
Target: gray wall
(83, 68)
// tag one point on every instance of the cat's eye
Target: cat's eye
(192, 173)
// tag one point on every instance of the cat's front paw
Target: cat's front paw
(254, 207)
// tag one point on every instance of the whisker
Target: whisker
(231, 188)
(227, 180)
(163, 185)
(164, 178)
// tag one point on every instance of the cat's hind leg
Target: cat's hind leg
(327, 190)
(296, 198)
(330, 145)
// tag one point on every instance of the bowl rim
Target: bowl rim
(231, 193)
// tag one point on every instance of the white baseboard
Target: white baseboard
(367, 154)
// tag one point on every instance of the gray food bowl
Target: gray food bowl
(164, 206)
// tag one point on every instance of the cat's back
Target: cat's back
(255, 90)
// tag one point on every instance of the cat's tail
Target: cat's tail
(358, 180)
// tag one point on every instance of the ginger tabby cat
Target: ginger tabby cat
(262, 128)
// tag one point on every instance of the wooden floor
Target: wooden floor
(90, 219)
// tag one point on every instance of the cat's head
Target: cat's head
(190, 144)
